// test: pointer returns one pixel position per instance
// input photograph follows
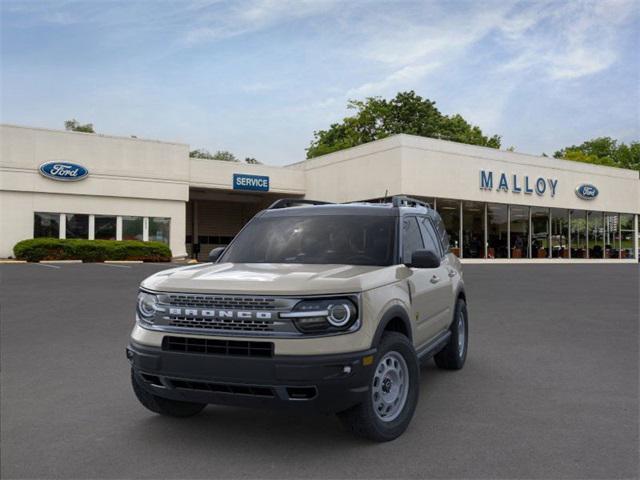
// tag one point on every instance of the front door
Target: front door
(430, 288)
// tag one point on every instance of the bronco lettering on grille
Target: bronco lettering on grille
(209, 313)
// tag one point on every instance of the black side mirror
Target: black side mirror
(214, 254)
(424, 259)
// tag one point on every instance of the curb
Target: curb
(123, 261)
(8, 261)
(60, 261)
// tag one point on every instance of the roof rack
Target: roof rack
(404, 201)
(294, 202)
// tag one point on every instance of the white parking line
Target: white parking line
(114, 265)
(47, 265)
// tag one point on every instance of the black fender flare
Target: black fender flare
(395, 311)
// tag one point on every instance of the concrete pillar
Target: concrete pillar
(118, 227)
(92, 227)
(63, 225)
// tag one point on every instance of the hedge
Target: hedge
(36, 249)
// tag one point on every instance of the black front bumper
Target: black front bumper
(326, 383)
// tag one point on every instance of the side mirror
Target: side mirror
(214, 254)
(424, 259)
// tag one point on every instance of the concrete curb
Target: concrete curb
(9, 261)
(60, 261)
(123, 261)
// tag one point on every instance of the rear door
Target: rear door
(428, 286)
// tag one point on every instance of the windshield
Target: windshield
(318, 239)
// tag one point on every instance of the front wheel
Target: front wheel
(453, 356)
(393, 395)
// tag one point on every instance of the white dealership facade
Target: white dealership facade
(498, 206)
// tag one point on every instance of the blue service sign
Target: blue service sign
(586, 191)
(257, 183)
(63, 171)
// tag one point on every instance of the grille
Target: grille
(226, 324)
(219, 301)
(253, 390)
(209, 346)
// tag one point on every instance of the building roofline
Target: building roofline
(448, 146)
(117, 137)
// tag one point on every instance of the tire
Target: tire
(453, 356)
(164, 406)
(395, 354)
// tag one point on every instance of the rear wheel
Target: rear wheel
(453, 356)
(393, 395)
(164, 406)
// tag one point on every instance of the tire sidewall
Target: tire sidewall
(461, 309)
(400, 344)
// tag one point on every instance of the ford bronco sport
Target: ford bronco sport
(323, 306)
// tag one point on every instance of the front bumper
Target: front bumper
(326, 383)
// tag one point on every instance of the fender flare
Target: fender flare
(396, 311)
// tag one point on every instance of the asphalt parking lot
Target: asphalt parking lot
(550, 389)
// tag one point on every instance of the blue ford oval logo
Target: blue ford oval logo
(586, 191)
(64, 171)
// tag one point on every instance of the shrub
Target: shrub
(36, 249)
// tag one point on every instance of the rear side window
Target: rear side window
(431, 241)
(442, 232)
(411, 238)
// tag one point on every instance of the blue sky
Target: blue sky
(258, 77)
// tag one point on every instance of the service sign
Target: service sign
(257, 183)
(586, 191)
(63, 171)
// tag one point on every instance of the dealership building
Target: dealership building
(498, 206)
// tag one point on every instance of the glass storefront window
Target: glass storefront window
(596, 235)
(611, 236)
(473, 230)
(497, 231)
(77, 226)
(559, 233)
(105, 227)
(449, 210)
(159, 229)
(539, 232)
(519, 231)
(578, 234)
(626, 236)
(46, 225)
(132, 228)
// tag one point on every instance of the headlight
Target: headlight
(147, 304)
(324, 315)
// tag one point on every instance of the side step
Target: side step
(434, 346)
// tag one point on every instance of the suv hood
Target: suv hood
(271, 278)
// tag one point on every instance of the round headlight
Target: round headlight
(147, 304)
(339, 314)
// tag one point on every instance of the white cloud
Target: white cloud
(405, 77)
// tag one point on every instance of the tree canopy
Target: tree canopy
(377, 118)
(74, 126)
(223, 155)
(604, 151)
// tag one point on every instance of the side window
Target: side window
(411, 238)
(442, 233)
(431, 241)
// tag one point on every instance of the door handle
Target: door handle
(435, 279)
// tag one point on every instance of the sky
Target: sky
(258, 77)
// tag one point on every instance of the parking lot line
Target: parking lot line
(114, 265)
(47, 265)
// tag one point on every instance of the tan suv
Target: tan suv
(329, 307)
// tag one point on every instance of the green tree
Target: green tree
(604, 151)
(219, 155)
(377, 118)
(74, 126)
(252, 161)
